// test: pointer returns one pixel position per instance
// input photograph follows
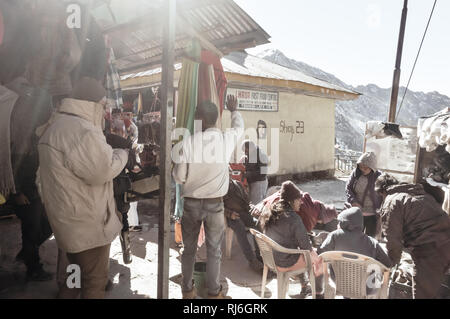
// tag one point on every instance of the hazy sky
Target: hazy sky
(356, 40)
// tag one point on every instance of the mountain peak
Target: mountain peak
(351, 116)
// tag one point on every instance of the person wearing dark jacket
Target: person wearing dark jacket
(361, 193)
(33, 108)
(239, 219)
(283, 225)
(412, 219)
(255, 162)
(350, 237)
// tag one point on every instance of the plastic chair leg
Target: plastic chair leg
(312, 282)
(282, 282)
(264, 279)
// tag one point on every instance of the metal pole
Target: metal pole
(398, 62)
(167, 89)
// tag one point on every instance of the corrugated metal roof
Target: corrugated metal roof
(246, 64)
(135, 28)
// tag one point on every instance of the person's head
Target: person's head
(290, 199)
(367, 163)
(261, 129)
(88, 89)
(383, 182)
(291, 194)
(351, 219)
(207, 113)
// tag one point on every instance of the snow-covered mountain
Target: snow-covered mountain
(372, 105)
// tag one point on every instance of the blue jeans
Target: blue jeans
(239, 228)
(211, 212)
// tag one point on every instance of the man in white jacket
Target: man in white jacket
(202, 170)
(77, 168)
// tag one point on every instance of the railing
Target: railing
(345, 163)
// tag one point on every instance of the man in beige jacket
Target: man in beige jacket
(77, 168)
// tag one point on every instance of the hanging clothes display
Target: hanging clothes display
(207, 90)
(113, 89)
(211, 58)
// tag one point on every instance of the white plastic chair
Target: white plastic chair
(266, 247)
(353, 275)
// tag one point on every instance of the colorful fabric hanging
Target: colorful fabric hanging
(113, 89)
(187, 102)
(209, 57)
(207, 90)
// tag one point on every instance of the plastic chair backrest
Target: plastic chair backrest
(354, 273)
(265, 245)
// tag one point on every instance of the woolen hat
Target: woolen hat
(289, 191)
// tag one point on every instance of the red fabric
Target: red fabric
(309, 210)
(221, 81)
(204, 90)
(239, 168)
(2, 28)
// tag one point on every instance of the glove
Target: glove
(116, 141)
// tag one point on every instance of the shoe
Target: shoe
(306, 291)
(190, 294)
(320, 296)
(256, 265)
(220, 295)
(39, 274)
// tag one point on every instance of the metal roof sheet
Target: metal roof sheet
(135, 28)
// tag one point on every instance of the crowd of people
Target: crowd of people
(76, 202)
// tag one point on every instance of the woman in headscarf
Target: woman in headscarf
(283, 225)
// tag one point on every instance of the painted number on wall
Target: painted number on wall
(298, 128)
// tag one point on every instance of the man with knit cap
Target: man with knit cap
(76, 174)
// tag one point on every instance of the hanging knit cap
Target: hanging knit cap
(289, 191)
(88, 89)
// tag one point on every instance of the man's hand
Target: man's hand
(231, 103)
(21, 200)
(355, 204)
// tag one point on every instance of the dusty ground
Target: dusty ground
(139, 279)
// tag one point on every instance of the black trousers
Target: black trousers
(370, 225)
(35, 231)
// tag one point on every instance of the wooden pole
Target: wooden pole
(166, 147)
(398, 62)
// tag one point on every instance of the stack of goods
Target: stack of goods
(435, 130)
